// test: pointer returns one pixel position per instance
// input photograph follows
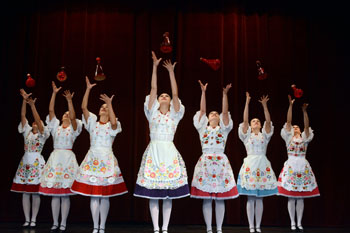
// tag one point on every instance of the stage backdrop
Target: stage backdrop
(296, 46)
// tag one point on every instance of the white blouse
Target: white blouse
(33, 142)
(162, 126)
(63, 138)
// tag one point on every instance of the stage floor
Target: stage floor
(138, 228)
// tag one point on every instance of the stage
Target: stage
(142, 228)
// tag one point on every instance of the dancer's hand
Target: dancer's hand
(24, 94)
(54, 88)
(68, 95)
(106, 99)
(170, 67)
(291, 101)
(247, 97)
(226, 89)
(203, 87)
(88, 84)
(156, 61)
(304, 107)
(263, 100)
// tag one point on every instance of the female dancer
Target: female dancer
(99, 175)
(61, 167)
(162, 174)
(256, 178)
(213, 177)
(296, 180)
(27, 178)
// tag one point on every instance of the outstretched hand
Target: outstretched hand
(106, 99)
(247, 97)
(291, 101)
(31, 101)
(156, 61)
(263, 100)
(88, 84)
(68, 95)
(54, 87)
(24, 94)
(167, 64)
(203, 87)
(304, 107)
(227, 88)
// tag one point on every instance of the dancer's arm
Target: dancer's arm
(203, 103)
(246, 113)
(225, 117)
(263, 100)
(306, 120)
(36, 116)
(24, 106)
(112, 118)
(153, 93)
(290, 113)
(52, 101)
(71, 110)
(84, 104)
(174, 91)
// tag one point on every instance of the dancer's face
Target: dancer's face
(214, 118)
(103, 110)
(65, 116)
(164, 99)
(255, 123)
(296, 130)
(34, 127)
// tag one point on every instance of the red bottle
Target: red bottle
(30, 81)
(261, 72)
(165, 46)
(212, 63)
(99, 75)
(61, 75)
(297, 91)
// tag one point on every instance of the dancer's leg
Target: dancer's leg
(104, 208)
(35, 208)
(207, 213)
(219, 213)
(259, 208)
(250, 212)
(65, 206)
(167, 206)
(55, 206)
(300, 211)
(291, 211)
(95, 211)
(154, 209)
(26, 208)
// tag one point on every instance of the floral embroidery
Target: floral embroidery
(29, 173)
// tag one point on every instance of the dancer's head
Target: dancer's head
(35, 127)
(296, 130)
(104, 111)
(214, 118)
(164, 99)
(255, 124)
(65, 118)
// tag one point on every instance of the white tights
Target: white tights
(26, 206)
(254, 206)
(154, 209)
(219, 213)
(56, 204)
(99, 210)
(295, 204)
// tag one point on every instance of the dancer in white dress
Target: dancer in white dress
(162, 174)
(213, 177)
(61, 167)
(99, 175)
(256, 178)
(297, 180)
(27, 178)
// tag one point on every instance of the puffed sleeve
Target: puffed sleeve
(114, 132)
(200, 124)
(149, 112)
(226, 128)
(179, 114)
(46, 134)
(243, 136)
(307, 139)
(77, 131)
(91, 122)
(24, 129)
(286, 135)
(267, 136)
(52, 124)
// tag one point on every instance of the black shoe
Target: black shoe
(62, 229)
(300, 228)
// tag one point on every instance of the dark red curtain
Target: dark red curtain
(296, 43)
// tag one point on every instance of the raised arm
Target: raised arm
(36, 116)
(203, 103)
(263, 100)
(290, 113)
(71, 110)
(306, 120)
(246, 113)
(84, 104)
(24, 106)
(225, 90)
(111, 114)
(153, 93)
(52, 101)
(170, 67)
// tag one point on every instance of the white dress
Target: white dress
(27, 178)
(256, 177)
(162, 173)
(61, 167)
(213, 176)
(99, 173)
(297, 178)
